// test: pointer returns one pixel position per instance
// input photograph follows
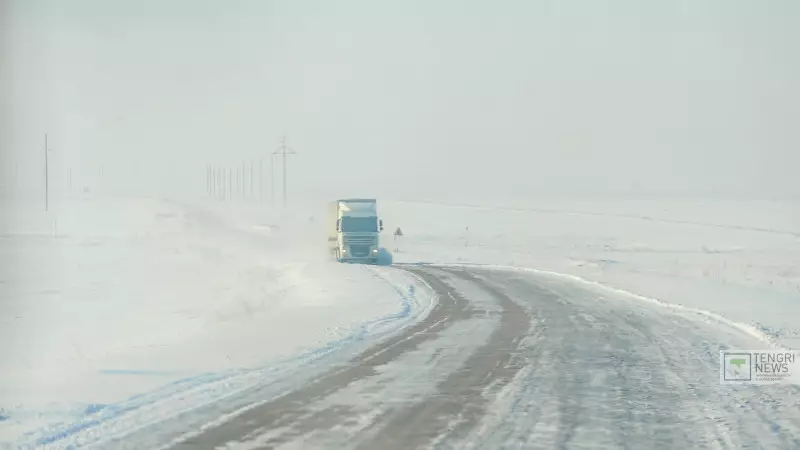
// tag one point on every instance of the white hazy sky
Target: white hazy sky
(416, 99)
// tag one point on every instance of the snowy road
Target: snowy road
(514, 359)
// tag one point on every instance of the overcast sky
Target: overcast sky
(417, 99)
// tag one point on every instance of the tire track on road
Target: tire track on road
(290, 413)
(460, 401)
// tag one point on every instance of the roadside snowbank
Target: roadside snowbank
(104, 300)
(737, 259)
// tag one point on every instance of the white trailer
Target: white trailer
(354, 230)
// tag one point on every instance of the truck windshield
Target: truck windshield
(360, 224)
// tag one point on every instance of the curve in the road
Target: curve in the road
(460, 402)
(515, 359)
(290, 410)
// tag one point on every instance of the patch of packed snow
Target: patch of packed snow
(737, 259)
(111, 303)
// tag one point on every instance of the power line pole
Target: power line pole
(223, 184)
(46, 175)
(261, 179)
(251, 179)
(283, 150)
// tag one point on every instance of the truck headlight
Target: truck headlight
(374, 250)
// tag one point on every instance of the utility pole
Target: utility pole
(46, 175)
(283, 150)
(251, 179)
(261, 179)
(223, 185)
(230, 183)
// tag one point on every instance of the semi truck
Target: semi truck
(355, 228)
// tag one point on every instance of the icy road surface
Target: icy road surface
(515, 359)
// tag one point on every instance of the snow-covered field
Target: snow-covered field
(110, 306)
(740, 259)
(118, 313)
